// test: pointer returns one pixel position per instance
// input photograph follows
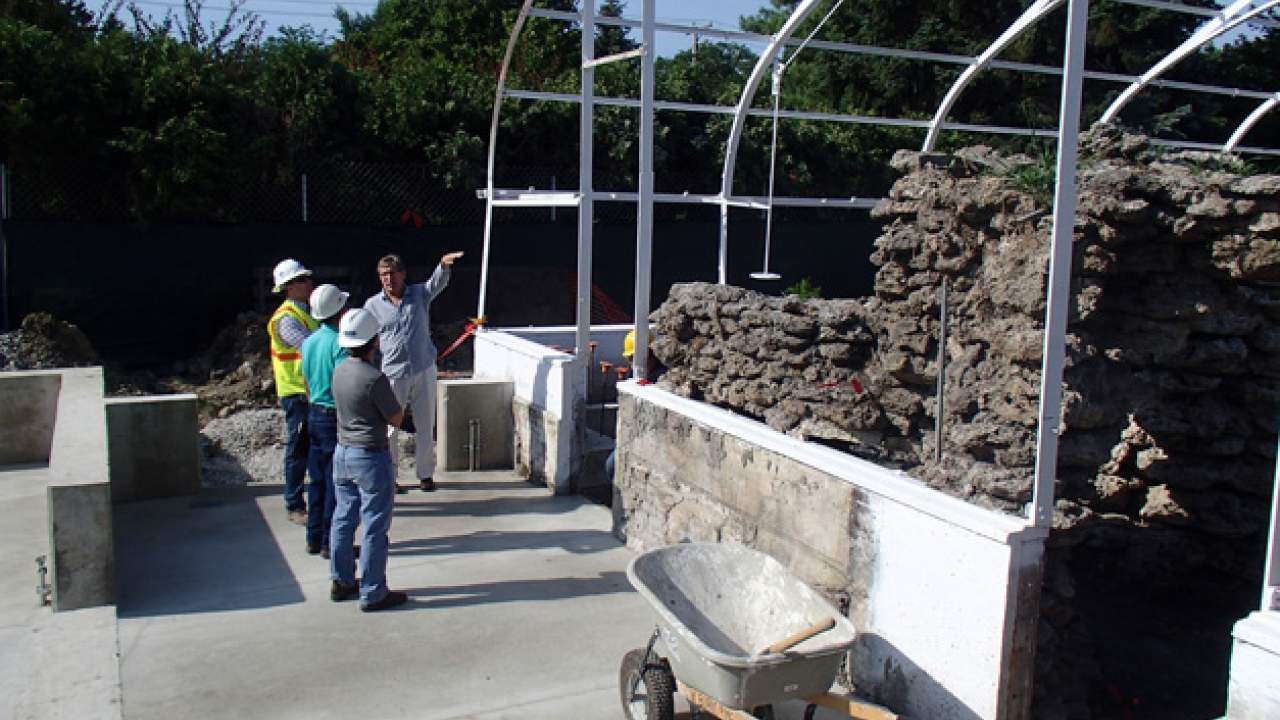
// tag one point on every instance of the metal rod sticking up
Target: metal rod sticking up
(942, 366)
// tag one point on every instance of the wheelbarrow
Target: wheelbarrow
(736, 634)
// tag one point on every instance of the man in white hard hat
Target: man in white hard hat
(364, 480)
(408, 355)
(288, 327)
(320, 355)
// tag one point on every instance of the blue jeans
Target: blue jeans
(322, 429)
(295, 450)
(365, 487)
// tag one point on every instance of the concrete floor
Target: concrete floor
(519, 608)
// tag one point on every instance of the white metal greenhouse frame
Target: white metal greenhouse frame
(1072, 70)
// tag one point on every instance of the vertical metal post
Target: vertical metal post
(644, 224)
(586, 205)
(1064, 213)
(1271, 572)
(942, 366)
(304, 197)
(724, 241)
(4, 248)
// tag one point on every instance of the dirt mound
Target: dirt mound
(45, 342)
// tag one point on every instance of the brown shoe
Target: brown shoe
(402, 489)
(339, 592)
(298, 517)
(390, 600)
(427, 485)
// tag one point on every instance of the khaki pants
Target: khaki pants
(417, 393)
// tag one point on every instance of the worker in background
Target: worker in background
(363, 476)
(320, 355)
(628, 352)
(288, 327)
(408, 355)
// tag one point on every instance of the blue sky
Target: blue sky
(721, 14)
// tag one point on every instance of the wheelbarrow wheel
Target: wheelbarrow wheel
(648, 691)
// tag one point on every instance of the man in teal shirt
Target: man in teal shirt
(320, 355)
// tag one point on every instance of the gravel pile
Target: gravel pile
(243, 447)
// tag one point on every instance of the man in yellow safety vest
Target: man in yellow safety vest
(289, 325)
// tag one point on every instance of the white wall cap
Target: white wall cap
(890, 484)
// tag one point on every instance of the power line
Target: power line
(224, 8)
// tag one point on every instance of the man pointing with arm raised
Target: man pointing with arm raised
(403, 312)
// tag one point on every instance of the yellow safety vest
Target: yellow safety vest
(286, 360)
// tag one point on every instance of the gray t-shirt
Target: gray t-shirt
(365, 401)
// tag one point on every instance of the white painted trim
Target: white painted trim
(891, 484)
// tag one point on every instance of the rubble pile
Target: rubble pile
(1171, 387)
(43, 342)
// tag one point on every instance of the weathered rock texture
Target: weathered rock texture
(1172, 384)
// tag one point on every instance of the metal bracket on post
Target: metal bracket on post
(473, 442)
(44, 591)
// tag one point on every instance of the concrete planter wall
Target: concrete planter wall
(549, 394)
(945, 594)
(546, 404)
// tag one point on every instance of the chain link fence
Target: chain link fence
(330, 193)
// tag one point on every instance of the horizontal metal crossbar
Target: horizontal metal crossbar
(508, 197)
(946, 58)
(789, 114)
(613, 58)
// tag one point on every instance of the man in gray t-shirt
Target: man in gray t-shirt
(370, 401)
(363, 480)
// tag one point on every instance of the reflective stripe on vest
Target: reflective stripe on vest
(286, 361)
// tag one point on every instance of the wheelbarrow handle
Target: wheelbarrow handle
(793, 640)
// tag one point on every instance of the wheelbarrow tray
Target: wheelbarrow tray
(719, 604)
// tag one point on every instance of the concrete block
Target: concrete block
(79, 496)
(27, 414)
(486, 401)
(1254, 690)
(154, 447)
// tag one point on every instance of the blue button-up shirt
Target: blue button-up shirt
(405, 328)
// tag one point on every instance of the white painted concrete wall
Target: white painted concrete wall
(549, 379)
(1254, 692)
(542, 378)
(951, 589)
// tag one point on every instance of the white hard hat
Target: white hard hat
(287, 270)
(326, 301)
(357, 328)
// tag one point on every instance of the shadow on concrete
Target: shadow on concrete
(485, 508)
(516, 484)
(887, 676)
(607, 583)
(209, 553)
(575, 541)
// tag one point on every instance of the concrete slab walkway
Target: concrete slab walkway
(519, 607)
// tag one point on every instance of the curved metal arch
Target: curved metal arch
(493, 149)
(766, 59)
(1029, 17)
(1233, 15)
(1249, 122)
